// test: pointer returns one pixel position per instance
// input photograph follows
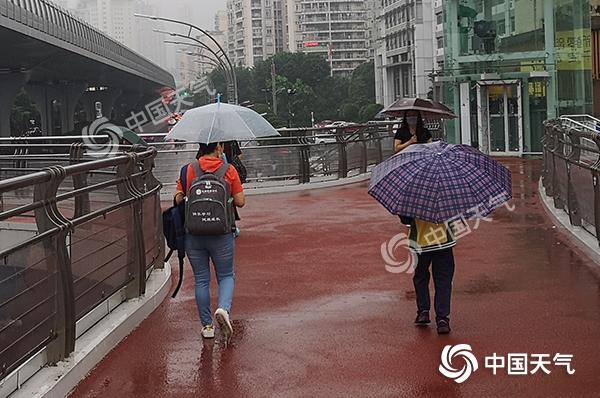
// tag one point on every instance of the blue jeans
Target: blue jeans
(221, 250)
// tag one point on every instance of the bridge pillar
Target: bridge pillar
(66, 94)
(126, 105)
(71, 94)
(106, 97)
(10, 85)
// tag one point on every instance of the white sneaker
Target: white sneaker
(222, 318)
(208, 332)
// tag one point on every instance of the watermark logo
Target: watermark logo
(389, 250)
(171, 102)
(452, 353)
(102, 137)
(512, 364)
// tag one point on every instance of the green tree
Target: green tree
(362, 84)
(350, 112)
(245, 82)
(369, 111)
(23, 110)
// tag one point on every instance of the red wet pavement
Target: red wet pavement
(316, 313)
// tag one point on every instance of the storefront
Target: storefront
(510, 65)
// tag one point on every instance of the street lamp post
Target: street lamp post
(234, 88)
(217, 59)
(232, 85)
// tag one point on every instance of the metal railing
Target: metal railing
(581, 122)
(299, 156)
(572, 171)
(73, 235)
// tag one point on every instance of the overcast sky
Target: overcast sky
(200, 12)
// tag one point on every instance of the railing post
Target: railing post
(59, 262)
(303, 161)
(379, 145)
(342, 157)
(82, 201)
(136, 253)
(596, 179)
(363, 152)
(150, 183)
(572, 205)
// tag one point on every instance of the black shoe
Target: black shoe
(443, 326)
(422, 318)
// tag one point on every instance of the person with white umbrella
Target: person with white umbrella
(211, 189)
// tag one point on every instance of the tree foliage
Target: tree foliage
(304, 88)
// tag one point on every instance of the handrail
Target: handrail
(46, 175)
(86, 231)
(571, 174)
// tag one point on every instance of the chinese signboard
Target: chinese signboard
(574, 49)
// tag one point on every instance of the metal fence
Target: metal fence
(572, 171)
(299, 156)
(74, 234)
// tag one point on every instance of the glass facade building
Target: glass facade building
(511, 64)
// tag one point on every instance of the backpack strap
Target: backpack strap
(183, 178)
(221, 171)
(197, 170)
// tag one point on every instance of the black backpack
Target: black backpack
(175, 237)
(208, 203)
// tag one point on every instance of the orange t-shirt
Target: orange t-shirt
(210, 165)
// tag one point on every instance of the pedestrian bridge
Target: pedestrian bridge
(315, 305)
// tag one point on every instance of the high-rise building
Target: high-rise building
(149, 43)
(404, 55)
(115, 18)
(438, 47)
(255, 30)
(337, 29)
(221, 21)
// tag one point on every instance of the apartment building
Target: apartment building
(406, 49)
(255, 30)
(337, 29)
(115, 18)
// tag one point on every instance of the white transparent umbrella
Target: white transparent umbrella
(221, 122)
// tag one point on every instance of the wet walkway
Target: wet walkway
(316, 313)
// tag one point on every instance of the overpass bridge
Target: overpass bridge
(60, 59)
(315, 306)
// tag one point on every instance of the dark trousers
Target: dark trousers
(442, 262)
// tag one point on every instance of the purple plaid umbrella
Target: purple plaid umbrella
(440, 182)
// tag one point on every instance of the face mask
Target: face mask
(412, 120)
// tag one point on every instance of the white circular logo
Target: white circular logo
(450, 353)
(388, 252)
(106, 146)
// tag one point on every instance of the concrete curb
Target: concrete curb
(579, 236)
(308, 186)
(96, 343)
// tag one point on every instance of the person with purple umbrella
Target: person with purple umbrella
(439, 186)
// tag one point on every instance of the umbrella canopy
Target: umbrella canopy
(429, 109)
(131, 137)
(440, 182)
(220, 123)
